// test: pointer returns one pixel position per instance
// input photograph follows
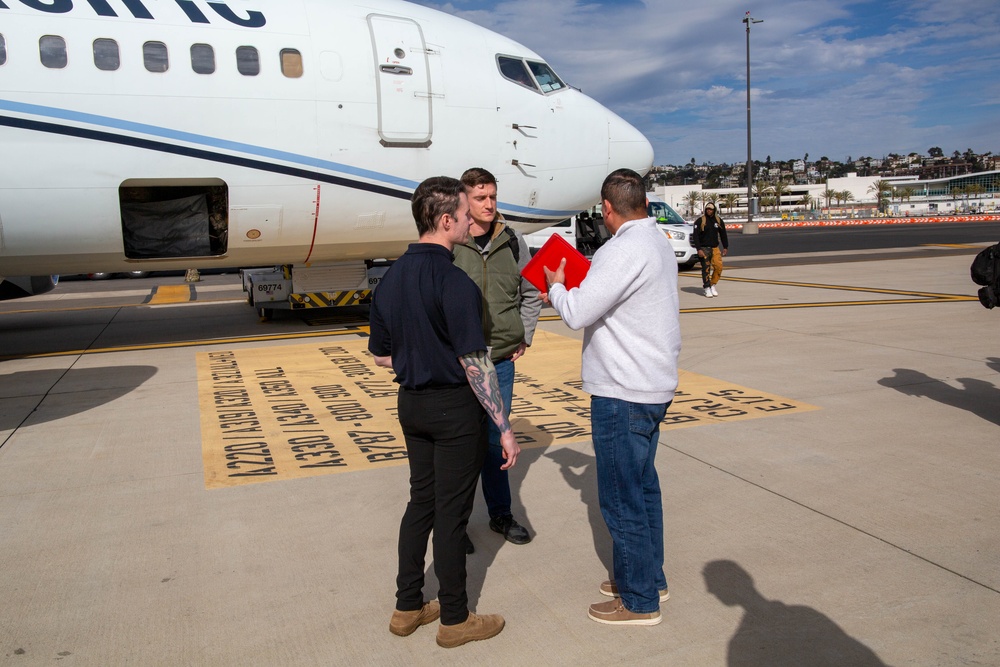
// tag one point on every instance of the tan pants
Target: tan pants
(711, 266)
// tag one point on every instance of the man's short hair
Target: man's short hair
(477, 176)
(626, 191)
(432, 199)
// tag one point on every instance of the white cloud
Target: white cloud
(829, 77)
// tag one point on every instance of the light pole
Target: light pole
(750, 227)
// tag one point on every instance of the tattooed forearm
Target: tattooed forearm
(483, 380)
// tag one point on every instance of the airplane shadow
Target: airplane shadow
(778, 635)
(34, 388)
(979, 397)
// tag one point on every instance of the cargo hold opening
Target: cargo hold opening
(170, 218)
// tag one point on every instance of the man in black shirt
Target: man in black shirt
(426, 324)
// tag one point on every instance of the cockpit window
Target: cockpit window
(529, 73)
(545, 77)
(3, 50)
(515, 70)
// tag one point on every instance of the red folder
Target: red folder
(549, 256)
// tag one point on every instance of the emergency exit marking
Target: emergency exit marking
(294, 411)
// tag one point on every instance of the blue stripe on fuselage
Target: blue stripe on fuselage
(388, 181)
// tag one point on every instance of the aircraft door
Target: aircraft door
(403, 82)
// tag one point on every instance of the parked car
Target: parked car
(677, 230)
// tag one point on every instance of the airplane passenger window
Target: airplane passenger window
(52, 50)
(546, 78)
(106, 55)
(154, 56)
(202, 58)
(3, 50)
(514, 70)
(247, 60)
(291, 63)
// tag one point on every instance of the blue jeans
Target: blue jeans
(625, 436)
(496, 486)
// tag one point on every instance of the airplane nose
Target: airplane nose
(628, 147)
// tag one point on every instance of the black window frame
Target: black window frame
(105, 57)
(242, 61)
(150, 59)
(45, 52)
(198, 61)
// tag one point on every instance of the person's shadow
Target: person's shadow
(979, 397)
(580, 472)
(486, 542)
(778, 635)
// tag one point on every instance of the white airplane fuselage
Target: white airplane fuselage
(308, 137)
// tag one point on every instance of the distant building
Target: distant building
(908, 196)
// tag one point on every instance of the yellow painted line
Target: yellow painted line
(827, 304)
(189, 343)
(950, 245)
(843, 288)
(170, 294)
(280, 413)
(917, 297)
(73, 309)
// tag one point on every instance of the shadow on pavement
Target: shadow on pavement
(976, 396)
(580, 472)
(50, 395)
(778, 635)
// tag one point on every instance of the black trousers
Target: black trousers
(446, 440)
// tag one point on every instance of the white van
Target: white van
(679, 232)
(586, 232)
(565, 229)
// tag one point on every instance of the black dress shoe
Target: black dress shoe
(511, 530)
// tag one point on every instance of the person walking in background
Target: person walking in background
(709, 232)
(493, 257)
(629, 311)
(426, 326)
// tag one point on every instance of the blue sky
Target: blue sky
(829, 78)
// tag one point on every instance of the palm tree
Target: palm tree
(882, 191)
(762, 189)
(691, 199)
(779, 189)
(703, 197)
(848, 196)
(828, 194)
(807, 199)
(729, 201)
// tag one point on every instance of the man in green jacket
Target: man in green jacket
(493, 257)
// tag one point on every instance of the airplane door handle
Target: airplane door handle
(396, 69)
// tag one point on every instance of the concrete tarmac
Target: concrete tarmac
(864, 532)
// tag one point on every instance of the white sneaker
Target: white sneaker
(715, 292)
(708, 292)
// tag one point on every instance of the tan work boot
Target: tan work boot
(610, 588)
(405, 623)
(474, 628)
(613, 612)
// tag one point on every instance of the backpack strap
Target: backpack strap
(515, 247)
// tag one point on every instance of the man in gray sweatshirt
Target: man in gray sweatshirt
(628, 308)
